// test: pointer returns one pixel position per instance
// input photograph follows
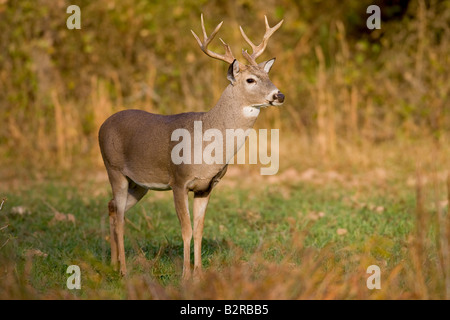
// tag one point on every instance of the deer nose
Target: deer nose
(278, 96)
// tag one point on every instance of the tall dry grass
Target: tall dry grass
(342, 91)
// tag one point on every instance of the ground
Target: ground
(307, 232)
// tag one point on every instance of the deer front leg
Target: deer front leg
(200, 204)
(180, 196)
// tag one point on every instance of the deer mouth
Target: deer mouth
(275, 103)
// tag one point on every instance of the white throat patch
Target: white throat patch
(251, 111)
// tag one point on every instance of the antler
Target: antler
(227, 57)
(258, 50)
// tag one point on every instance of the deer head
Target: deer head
(251, 82)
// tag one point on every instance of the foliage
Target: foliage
(343, 83)
(365, 111)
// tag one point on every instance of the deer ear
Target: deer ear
(267, 65)
(233, 70)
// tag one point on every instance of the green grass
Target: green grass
(239, 222)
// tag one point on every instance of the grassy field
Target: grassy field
(364, 150)
(308, 232)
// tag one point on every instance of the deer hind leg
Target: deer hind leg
(112, 231)
(119, 184)
(199, 210)
(134, 194)
(180, 197)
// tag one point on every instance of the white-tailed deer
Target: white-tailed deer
(136, 147)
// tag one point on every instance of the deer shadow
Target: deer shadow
(172, 249)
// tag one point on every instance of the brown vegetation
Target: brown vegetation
(363, 108)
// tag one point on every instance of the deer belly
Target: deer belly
(202, 184)
(154, 186)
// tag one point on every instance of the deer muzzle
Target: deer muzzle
(277, 98)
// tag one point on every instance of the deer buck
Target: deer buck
(136, 147)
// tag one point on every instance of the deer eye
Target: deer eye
(250, 80)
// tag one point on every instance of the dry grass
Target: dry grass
(360, 113)
(347, 93)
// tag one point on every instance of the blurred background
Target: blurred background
(347, 87)
(364, 148)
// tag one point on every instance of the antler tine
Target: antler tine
(227, 57)
(259, 49)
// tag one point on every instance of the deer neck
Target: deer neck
(230, 113)
(231, 117)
